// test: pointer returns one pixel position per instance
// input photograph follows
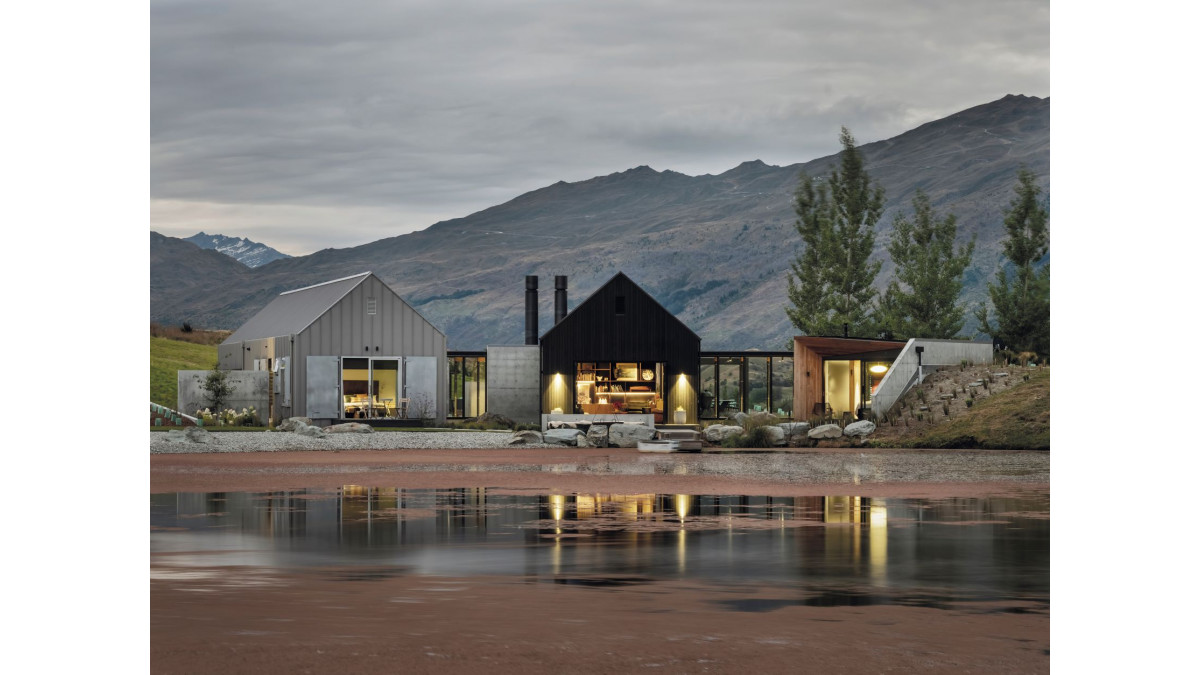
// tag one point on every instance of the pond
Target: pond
(838, 549)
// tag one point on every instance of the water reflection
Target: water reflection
(977, 548)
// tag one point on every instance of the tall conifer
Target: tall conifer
(922, 301)
(830, 283)
(1022, 305)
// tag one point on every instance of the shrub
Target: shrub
(970, 402)
(754, 437)
(946, 409)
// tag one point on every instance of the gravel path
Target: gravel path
(282, 441)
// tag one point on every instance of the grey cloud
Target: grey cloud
(444, 108)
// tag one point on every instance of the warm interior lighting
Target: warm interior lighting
(683, 504)
(558, 506)
(879, 368)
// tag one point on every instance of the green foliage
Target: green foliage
(830, 283)
(922, 300)
(216, 386)
(167, 358)
(1022, 305)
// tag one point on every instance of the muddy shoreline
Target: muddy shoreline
(251, 619)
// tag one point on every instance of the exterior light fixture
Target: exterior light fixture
(878, 368)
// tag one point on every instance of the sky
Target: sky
(307, 125)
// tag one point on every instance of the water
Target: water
(834, 550)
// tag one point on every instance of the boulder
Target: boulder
(495, 419)
(350, 428)
(581, 441)
(524, 437)
(794, 428)
(826, 431)
(310, 431)
(763, 418)
(176, 436)
(561, 436)
(559, 424)
(597, 436)
(861, 428)
(718, 432)
(291, 423)
(628, 435)
(777, 436)
(741, 418)
(198, 435)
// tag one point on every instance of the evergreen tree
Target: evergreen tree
(921, 300)
(1022, 306)
(830, 281)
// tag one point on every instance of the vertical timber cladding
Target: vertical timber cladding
(809, 380)
(347, 330)
(645, 332)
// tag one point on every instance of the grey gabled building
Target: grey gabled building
(346, 349)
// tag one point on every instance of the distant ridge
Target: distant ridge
(713, 249)
(249, 253)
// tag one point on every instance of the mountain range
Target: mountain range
(713, 249)
(249, 253)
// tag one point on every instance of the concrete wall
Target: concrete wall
(513, 378)
(938, 354)
(250, 389)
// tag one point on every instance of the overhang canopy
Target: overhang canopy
(840, 346)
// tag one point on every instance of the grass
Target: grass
(167, 357)
(1015, 419)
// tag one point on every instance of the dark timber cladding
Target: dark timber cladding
(620, 322)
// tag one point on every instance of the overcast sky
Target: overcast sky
(308, 125)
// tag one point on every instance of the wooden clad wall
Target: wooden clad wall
(645, 332)
(809, 381)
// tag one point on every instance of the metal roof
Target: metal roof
(293, 311)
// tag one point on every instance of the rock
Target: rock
(826, 431)
(176, 436)
(1000, 375)
(741, 418)
(862, 428)
(561, 436)
(495, 419)
(561, 425)
(597, 436)
(777, 435)
(628, 435)
(764, 418)
(310, 431)
(794, 428)
(198, 435)
(581, 441)
(350, 428)
(291, 423)
(523, 437)
(719, 432)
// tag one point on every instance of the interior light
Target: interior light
(878, 368)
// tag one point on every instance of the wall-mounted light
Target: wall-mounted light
(878, 368)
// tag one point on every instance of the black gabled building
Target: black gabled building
(620, 351)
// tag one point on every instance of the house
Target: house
(343, 350)
(619, 352)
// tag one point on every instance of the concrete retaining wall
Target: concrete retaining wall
(937, 354)
(250, 389)
(514, 375)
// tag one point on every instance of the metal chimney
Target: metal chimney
(531, 311)
(560, 298)
(845, 330)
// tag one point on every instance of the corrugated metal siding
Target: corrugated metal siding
(347, 330)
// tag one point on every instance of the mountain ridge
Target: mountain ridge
(714, 249)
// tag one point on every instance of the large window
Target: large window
(747, 382)
(619, 387)
(729, 377)
(468, 385)
(370, 388)
(782, 384)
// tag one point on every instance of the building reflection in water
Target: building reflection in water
(477, 530)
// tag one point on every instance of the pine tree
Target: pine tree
(921, 300)
(830, 283)
(1022, 306)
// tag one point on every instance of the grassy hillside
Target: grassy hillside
(1017, 418)
(167, 357)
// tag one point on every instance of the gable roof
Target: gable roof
(612, 280)
(293, 311)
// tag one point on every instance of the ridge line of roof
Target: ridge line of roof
(326, 283)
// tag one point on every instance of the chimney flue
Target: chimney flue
(560, 298)
(531, 310)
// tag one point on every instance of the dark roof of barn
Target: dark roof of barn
(614, 278)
